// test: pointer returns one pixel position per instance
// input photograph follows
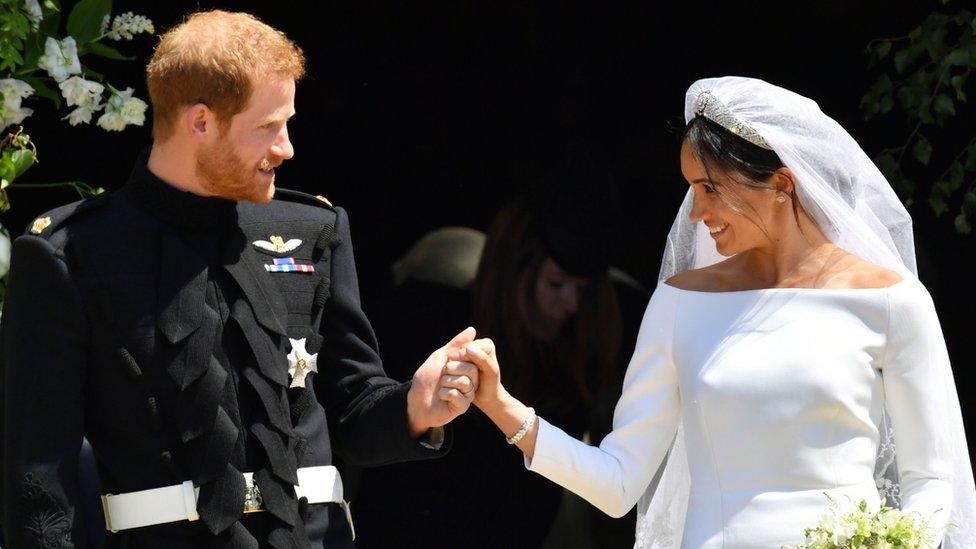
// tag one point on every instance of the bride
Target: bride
(788, 353)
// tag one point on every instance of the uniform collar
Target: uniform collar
(176, 207)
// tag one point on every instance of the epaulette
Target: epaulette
(299, 196)
(45, 225)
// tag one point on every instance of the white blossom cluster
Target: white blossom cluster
(12, 92)
(84, 95)
(60, 61)
(33, 9)
(60, 58)
(860, 526)
(123, 109)
(126, 26)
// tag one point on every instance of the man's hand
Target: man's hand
(441, 390)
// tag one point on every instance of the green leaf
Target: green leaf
(962, 58)
(938, 205)
(92, 75)
(7, 169)
(935, 43)
(101, 50)
(925, 114)
(887, 164)
(41, 89)
(85, 20)
(15, 57)
(970, 161)
(958, 82)
(902, 60)
(908, 187)
(886, 104)
(906, 97)
(33, 50)
(962, 224)
(4, 200)
(944, 106)
(922, 150)
(51, 22)
(880, 49)
(23, 159)
(969, 202)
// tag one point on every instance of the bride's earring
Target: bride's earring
(781, 198)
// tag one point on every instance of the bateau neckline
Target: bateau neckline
(901, 282)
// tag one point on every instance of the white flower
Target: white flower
(123, 109)
(13, 91)
(83, 114)
(4, 252)
(127, 25)
(79, 92)
(33, 9)
(15, 117)
(60, 59)
(134, 111)
(111, 121)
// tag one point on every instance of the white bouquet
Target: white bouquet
(856, 526)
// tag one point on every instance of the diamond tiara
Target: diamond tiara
(710, 107)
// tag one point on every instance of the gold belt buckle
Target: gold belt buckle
(253, 501)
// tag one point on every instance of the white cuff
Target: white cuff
(433, 439)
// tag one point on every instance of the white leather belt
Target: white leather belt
(320, 484)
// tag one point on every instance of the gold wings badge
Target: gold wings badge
(278, 244)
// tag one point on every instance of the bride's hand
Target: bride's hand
(481, 353)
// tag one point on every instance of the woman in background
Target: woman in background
(544, 292)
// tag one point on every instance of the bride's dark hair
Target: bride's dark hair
(719, 148)
(740, 161)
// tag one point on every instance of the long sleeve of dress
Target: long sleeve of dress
(915, 369)
(43, 363)
(614, 475)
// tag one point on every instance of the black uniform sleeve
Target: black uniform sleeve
(368, 410)
(43, 360)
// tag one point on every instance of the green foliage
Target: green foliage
(14, 28)
(925, 82)
(18, 155)
(85, 20)
(101, 50)
(22, 44)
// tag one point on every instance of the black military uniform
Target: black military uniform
(150, 322)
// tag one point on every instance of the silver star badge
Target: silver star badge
(278, 244)
(300, 363)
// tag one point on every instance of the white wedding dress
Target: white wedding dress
(780, 393)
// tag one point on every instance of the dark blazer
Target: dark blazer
(147, 321)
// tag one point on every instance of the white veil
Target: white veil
(855, 207)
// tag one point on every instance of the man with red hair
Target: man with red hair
(206, 335)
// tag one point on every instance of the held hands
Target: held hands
(505, 411)
(443, 388)
(481, 353)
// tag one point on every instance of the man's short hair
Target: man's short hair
(214, 58)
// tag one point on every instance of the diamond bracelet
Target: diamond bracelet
(526, 425)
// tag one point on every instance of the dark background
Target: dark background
(417, 115)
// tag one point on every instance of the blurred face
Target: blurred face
(733, 231)
(556, 299)
(240, 163)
